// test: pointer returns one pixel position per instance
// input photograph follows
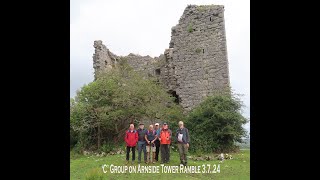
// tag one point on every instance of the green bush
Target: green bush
(107, 147)
(216, 124)
(103, 109)
(201, 8)
(190, 28)
(73, 138)
(198, 50)
(74, 154)
(82, 144)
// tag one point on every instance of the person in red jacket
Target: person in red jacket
(131, 139)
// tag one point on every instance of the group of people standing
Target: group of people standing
(153, 140)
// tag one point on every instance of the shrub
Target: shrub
(216, 124)
(107, 147)
(190, 28)
(103, 109)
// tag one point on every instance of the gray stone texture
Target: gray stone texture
(194, 66)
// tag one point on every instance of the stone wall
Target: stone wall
(103, 59)
(145, 64)
(194, 66)
(199, 56)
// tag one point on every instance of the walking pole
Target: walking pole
(149, 151)
(153, 153)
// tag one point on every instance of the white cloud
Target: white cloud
(144, 27)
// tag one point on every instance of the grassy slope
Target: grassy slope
(89, 167)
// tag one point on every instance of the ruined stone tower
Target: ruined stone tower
(196, 63)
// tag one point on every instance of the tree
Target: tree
(103, 109)
(217, 123)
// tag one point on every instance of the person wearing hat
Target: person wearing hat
(165, 140)
(157, 142)
(183, 140)
(142, 143)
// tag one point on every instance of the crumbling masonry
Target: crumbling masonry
(196, 63)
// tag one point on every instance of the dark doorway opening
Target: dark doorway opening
(175, 95)
(158, 71)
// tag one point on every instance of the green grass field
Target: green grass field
(90, 167)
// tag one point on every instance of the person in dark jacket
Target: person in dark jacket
(142, 143)
(183, 140)
(157, 142)
(131, 139)
(150, 137)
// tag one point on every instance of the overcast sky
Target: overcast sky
(144, 27)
